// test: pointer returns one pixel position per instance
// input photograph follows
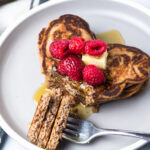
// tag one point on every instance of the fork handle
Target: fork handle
(140, 135)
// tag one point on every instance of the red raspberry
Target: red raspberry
(76, 45)
(93, 75)
(71, 66)
(60, 48)
(95, 47)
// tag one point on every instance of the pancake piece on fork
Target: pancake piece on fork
(50, 119)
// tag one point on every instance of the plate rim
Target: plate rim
(20, 20)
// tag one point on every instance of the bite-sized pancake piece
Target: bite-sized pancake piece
(40, 113)
(65, 27)
(48, 121)
(38, 118)
(60, 122)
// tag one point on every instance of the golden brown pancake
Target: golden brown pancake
(126, 65)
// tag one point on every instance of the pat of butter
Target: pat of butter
(99, 61)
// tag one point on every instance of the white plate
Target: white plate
(20, 69)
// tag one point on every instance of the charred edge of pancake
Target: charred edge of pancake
(125, 95)
(112, 91)
(41, 49)
(41, 36)
(78, 22)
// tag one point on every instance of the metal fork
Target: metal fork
(82, 132)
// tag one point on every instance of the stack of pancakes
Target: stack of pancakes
(127, 67)
(126, 74)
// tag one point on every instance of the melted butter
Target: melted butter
(82, 112)
(42, 90)
(112, 36)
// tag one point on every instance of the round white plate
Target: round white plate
(20, 69)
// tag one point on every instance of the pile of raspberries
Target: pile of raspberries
(69, 54)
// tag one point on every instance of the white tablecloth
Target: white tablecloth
(12, 13)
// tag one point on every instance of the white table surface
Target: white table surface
(13, 13)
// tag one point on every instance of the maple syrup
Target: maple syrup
(111, 36)
(39, 92)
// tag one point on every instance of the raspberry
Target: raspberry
(93, 75)
(95, 47)
(71, 66)
(59, 49)
(76, 45)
